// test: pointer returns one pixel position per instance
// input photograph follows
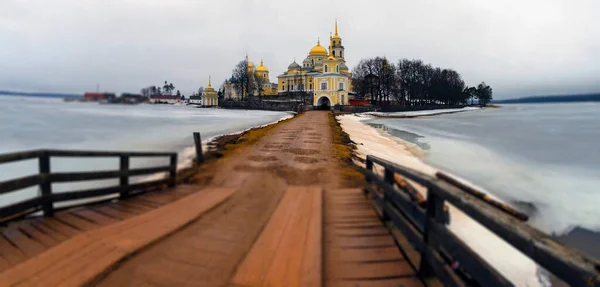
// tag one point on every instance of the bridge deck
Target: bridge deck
(276, 213)
(24, 239)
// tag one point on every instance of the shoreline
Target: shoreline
(188, 154)
(420, 113)
(518, 268)
(212, 148)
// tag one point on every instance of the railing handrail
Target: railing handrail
(31, 154)
(566, 263)
(45, 177)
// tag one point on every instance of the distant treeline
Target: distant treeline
(553, 99)
(413, 83)
(47, 95)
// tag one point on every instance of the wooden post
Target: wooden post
(435, 210)
(198, 143)
(369, 168)
(124, 179)
(388, 177)
(46, 185)
(173, 171)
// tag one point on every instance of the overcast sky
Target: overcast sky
(519, 47)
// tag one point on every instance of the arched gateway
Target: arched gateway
(323, 103)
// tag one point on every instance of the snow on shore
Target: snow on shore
(413, 114)
(510, 262)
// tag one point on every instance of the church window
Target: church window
(341, 85)
(264, 75)
(334, 53)
(341, 54)
(310, 86)
(326, 68)
(337, 69)
(324, 86)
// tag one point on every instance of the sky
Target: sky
(518, 47)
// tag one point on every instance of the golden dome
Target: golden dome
(261, 68)
(318, 50)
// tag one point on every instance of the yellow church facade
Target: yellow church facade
(262, 77)
(323, 74)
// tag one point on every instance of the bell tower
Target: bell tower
(336, 45)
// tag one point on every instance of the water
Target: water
(545, 155)
(34, 123)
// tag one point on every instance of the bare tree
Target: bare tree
(243, 79)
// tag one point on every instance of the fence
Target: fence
(435, 252)
(45, 178)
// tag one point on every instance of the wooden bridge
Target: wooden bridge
(268, 217)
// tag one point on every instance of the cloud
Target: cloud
(518, 47)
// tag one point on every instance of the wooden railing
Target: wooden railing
(435, 252)
(45, 178)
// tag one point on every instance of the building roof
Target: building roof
(318, 50)
(165, 97)
(294, 65)
(261, 67)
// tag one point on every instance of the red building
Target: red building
(94, 97)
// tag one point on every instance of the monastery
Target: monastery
(323, 75)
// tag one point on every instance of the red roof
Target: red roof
(93, 96)
(165, 97)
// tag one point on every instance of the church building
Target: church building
(261, 74)
(210, 97)
(323, 74)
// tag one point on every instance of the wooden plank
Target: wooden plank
(145, 202)
(68, 218)
(365, 271)
(20, 183)
(48, 231)
(4, 263)
(112, 212)
(253, 269)
(88, 153)
(27, 245)
(37, 235)
(103, 174)
(404, 281)
(20, 208)
(129, 204)
(59, 226)
(81, 259)
(312, 265)
(376, 254)
(17, 156)
(94, 216)
(359, 232)
(285, 267)
(365, 241)
(9, 252)
(126, 209)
